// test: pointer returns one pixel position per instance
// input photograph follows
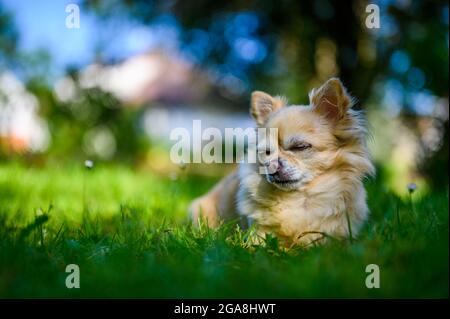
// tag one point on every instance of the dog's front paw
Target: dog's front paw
(204, 209)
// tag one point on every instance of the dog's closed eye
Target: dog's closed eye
(300, 146)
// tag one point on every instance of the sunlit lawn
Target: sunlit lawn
(128, 232)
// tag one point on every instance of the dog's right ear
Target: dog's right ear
(262, 104)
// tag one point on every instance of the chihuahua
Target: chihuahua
(312, 186)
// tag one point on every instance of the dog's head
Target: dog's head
(314, 139)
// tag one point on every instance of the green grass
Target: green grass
(128, 232)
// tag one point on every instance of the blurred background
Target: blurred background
(113, 89)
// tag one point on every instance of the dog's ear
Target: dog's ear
(331, 99)
(262, 104)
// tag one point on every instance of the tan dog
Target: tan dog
(316, 187)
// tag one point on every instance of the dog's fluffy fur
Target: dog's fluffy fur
(317, 188)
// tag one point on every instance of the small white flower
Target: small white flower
(411, 187)
(88, 164)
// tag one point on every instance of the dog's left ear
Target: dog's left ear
(262, 104)
(331, 99)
